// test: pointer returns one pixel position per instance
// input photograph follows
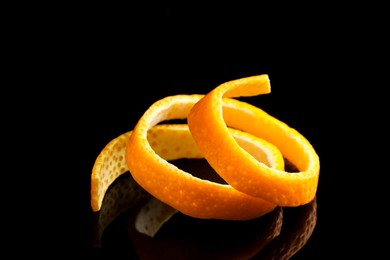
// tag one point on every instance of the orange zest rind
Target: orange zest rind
(242, 143)
(170, 142)
(108, 166)
(242, 171)
(191, 195)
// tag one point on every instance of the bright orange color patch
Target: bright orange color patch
(172, 142)
(179, 189)
(241, 142)
(209, 120)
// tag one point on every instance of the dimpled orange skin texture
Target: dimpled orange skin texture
(208, 121)
(108, 166)
(181, 190)
(170, 142)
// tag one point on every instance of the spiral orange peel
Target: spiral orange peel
(209, 120)
(245, 146)
(170, 142)
(183, 191)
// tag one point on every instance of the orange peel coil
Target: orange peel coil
(170, 142)
(209, 120)
(192, 196)
(241, 142)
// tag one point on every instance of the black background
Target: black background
(88, 72)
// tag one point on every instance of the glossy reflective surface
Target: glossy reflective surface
(281, 234)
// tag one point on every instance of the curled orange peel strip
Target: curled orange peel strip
(191, 195)
(108, 166)
(243, 144)
(208, 121)
(170, 142)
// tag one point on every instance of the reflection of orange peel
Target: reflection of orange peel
(209, 120)
(209, 240)
(279, 235)
(123, 195)
(294, 234)
(152, 216)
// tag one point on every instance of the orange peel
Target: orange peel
(244, 145)
(170, 142)
(209, 120)
(191, 195)
(108, 166)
